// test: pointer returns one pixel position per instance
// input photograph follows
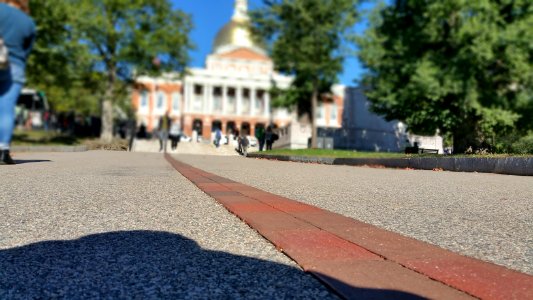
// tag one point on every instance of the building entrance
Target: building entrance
(245, 128)
(197, 127)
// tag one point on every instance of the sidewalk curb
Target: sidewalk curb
(355, 259)
(80, 148)
(522, 166)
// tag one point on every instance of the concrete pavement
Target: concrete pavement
(126, 225)
(116, 224)
(358, 260)
(485, 216)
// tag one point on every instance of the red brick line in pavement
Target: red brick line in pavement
(355, 259)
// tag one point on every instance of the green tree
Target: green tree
(96, 48)
(59, 65)
(306, 41)
(129, 38)
(463, 67)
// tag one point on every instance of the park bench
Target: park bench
(425, 150)
(417, 150)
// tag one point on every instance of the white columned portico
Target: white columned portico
(208, 108)
(188, 96)
(205, 98)
(239, 100)
(224, 99)
(267, 105)
(252, 100)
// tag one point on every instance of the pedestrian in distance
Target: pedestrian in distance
(17, 34)
(243, 143)
(235, 133)
(269, 138)
(218, 137)
(164, 125)
(141, 133)
(260, 135)
(175, 135)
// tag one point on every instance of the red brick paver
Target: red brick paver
(357, 259)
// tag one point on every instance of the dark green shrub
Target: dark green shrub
(524, 145)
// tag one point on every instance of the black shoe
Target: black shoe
(5, 158)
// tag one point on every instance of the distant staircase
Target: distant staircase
(200, 148)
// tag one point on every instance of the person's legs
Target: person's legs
(175, 140)
(165, 141)
(9, 93)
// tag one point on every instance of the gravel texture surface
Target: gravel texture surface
(127, 225)
(486, 216)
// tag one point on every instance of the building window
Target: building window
(144, 100)
(320, 111)
(333, 112)
(176, 99)
(160, 101)
(198, 98)
(217, 99)
(232, 101)
(260, 102)
(246, 105)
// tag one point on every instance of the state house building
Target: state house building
(231, 92)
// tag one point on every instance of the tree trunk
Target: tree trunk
(465, 139)
(106, 135)
(314, 106)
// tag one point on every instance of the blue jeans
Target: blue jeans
(10, 88)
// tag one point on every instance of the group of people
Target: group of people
(264, 137)
(172, 130)
(267, 137)
(168, 130)
(17, 34)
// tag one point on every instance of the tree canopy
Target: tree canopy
(462, 67)
(305, 38)
(59, 65)
(104, 45)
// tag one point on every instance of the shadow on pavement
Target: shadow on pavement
(148, 264)
(29, 161)
(349, 292)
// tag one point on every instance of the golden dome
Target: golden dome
(236, 33)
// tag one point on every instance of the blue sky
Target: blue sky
(210, 15)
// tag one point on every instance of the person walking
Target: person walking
(17, 34)
(269, 138)
(175, 135)
(218, 137)
(164, 125)
(260, 135)
(243, 143)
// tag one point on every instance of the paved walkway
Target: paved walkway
(116, 224)
(127, 225)
(486, 216)
(349, 255)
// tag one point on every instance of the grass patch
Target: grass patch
(115, 145)
(361, 154)
(336, 153)
(51, 138)
(43, 138)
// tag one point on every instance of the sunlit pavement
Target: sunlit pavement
(107, 207)
(103, 224)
